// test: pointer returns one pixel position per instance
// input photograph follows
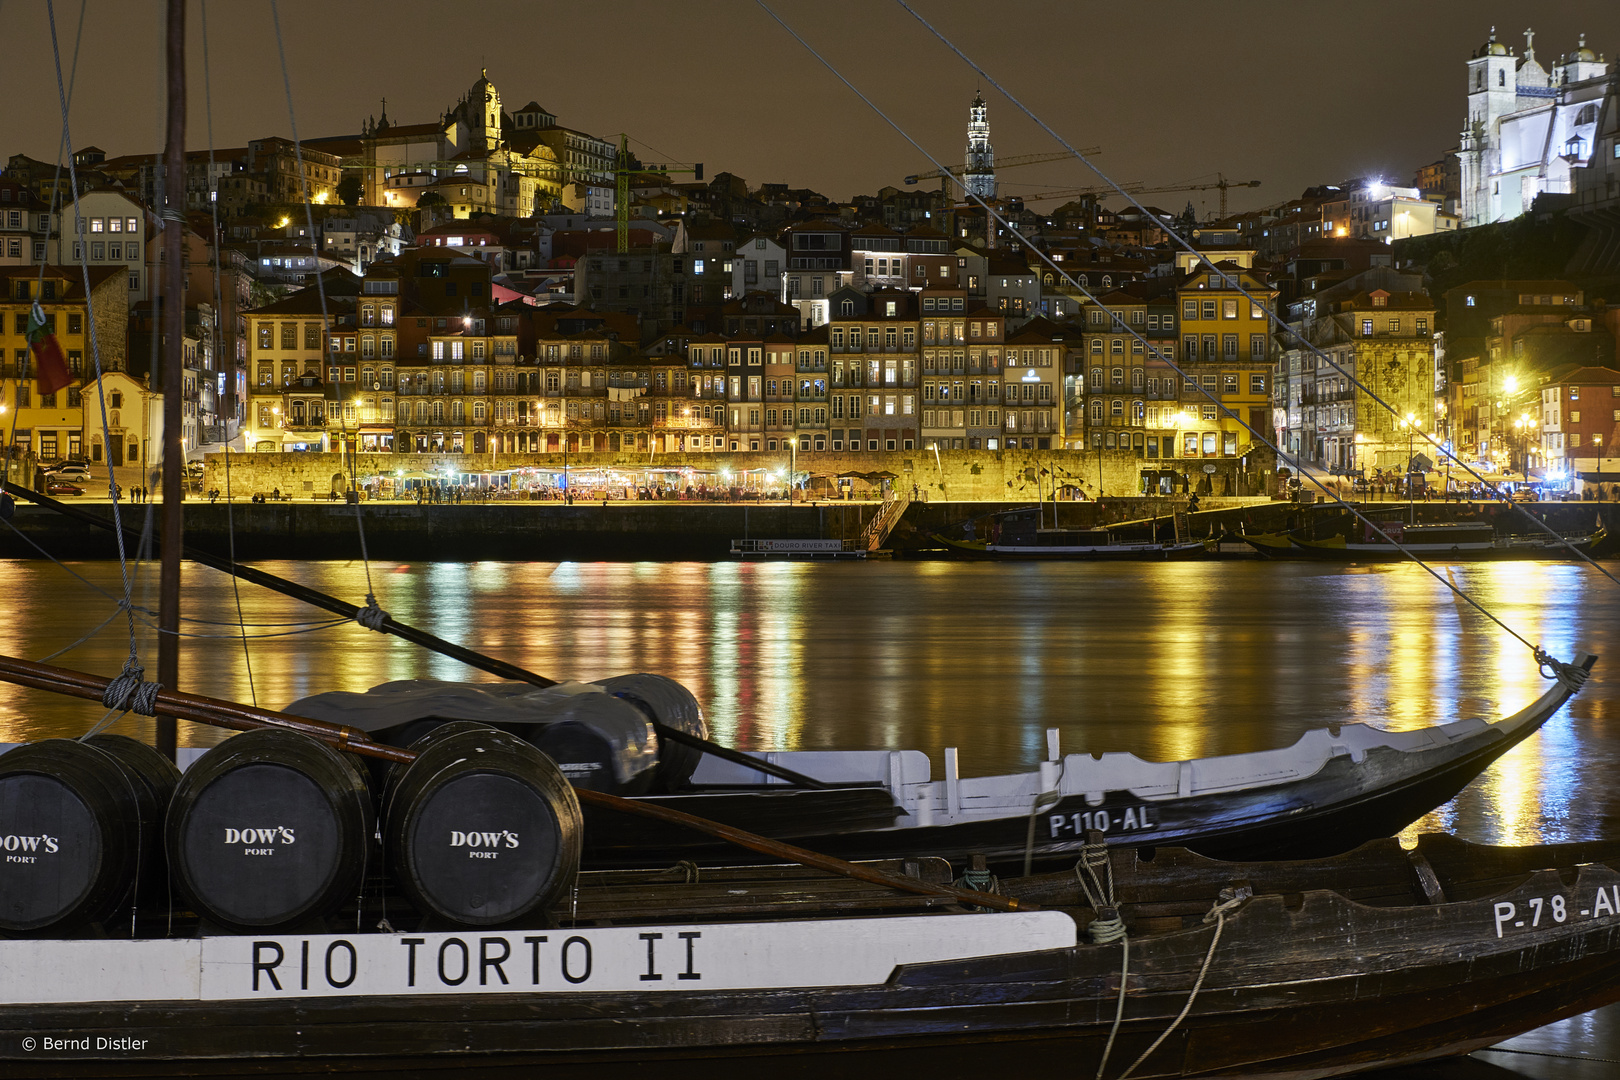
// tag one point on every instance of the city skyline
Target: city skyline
(753, 102)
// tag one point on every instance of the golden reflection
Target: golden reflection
(1169, 661)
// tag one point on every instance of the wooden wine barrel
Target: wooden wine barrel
(600, 742)
(268, 830)
(482, 829)
(666, 702)
(80, 825)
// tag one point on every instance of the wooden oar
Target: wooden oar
(389, 625)
(219, 713)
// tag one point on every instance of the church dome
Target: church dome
(1492, 47)
(1583, 55)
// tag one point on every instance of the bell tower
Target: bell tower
(979, 177)
(484, 114)
(1492, 94)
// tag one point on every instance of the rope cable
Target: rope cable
(1271, 315)
(216, 241)
(146, 616)
(991, 212)
(320, 286)
(132, 663)
(1216, 914)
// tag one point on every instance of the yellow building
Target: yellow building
(1225, 361)
(50, 427)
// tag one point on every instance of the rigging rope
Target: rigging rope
(1153, 348)
(1106, 926)
(217, 242)
(1230, 282)
(1230, 899)
(132, 664)
(320, 286)
(147, 614)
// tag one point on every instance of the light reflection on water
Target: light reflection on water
(1170, 660)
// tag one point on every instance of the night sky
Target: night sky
(1291, 94)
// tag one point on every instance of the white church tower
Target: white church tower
(1492, 92)
(979, 177)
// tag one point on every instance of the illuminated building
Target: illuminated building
(979, 177)
(1527, 129)
(1225, 355)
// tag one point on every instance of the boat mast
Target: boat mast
(172, 217)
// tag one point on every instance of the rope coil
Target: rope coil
(371, 616)
(1569, 676)
(130, 692)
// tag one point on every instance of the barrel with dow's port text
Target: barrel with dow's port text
(80, 831)
(482, 829)
(270, 830)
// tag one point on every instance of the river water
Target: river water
(1167, 660)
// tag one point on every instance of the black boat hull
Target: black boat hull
(1303, 987)
(1346, 803)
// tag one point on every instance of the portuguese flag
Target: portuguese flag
(51, 368)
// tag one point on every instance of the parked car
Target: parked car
(70, 471)
(62, 487)
(1526, 494)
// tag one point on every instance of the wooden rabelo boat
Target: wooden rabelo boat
(1023, 534)
(1380, 957)
(1334, 788)
(1075, 544)
(1457, 541)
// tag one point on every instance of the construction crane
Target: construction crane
(1222, 183)
(944, 175)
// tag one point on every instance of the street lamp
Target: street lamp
(1411, 424)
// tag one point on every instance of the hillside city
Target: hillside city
(493, 282)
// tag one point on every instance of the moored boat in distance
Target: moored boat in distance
(1450, 541)
(1076, 544)
(797, 549)
(1023, 534)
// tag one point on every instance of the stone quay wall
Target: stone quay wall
(956, 475)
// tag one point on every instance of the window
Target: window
(1423, 326)
(1366, 328)
(1257, 384)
